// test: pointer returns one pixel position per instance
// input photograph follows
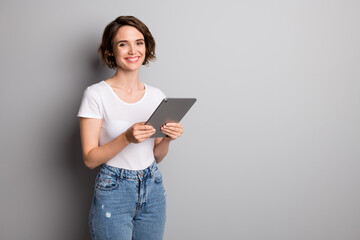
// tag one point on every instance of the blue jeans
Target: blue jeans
(128, 204)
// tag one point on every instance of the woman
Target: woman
(129, 197)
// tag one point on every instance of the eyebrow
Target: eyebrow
(140, 39)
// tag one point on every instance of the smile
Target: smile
(133, 59)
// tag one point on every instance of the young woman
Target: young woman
(129, 197)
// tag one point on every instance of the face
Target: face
(129, 48)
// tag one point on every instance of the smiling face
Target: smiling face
(129, 48)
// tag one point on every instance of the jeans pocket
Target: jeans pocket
(157, 176)
(106, 182)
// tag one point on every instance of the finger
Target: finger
(144, 137)
(145, 131)
(171, 133)
(141, 134)
(144, 127)
(171, 128)
(172, 136)
(173, 124)
(176, 125)
(139, 124)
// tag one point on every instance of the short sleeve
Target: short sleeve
(162, 95)
(90, 107)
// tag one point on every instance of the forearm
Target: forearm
(161, 149)
(104, 153)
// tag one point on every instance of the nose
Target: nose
(131, 49)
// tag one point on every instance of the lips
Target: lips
(132, 59)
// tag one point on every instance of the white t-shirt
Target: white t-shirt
(100, 101)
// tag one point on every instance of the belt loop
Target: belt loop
(121, 173)
(152, 170)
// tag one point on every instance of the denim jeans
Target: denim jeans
(128, 204)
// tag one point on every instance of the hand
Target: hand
(172, 129)
(139, 132)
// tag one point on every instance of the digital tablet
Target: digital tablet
(169, 110)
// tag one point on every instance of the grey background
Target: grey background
(269, 151)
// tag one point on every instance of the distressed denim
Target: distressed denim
(128, 204)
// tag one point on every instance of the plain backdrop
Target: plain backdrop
(270, 150)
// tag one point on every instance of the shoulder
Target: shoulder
(155, 90)
(97, 87)
(95, 90)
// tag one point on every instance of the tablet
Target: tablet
(169, 110)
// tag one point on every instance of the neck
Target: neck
(127, 79)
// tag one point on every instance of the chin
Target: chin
(133, 68)
(130, 68)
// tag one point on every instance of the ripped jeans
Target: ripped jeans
(128, 204)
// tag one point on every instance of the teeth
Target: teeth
(133, 59)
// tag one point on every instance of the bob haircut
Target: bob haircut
(106, 47)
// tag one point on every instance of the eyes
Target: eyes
(124, 44)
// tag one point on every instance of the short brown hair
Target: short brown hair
(110, 31)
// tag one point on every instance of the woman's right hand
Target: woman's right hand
(139, 132)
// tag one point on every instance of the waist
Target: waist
(129, 174)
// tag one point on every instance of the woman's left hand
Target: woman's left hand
(172, 129)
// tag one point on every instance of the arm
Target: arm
(95, 155)
(161, 145)
(161, 148)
